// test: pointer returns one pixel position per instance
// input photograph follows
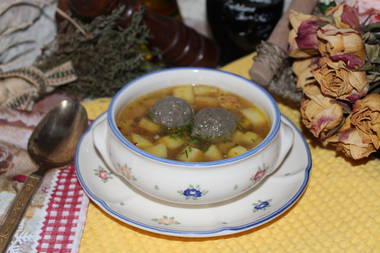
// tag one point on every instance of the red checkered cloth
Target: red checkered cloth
(66, 213)
(55, 221)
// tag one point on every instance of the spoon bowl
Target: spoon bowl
(51, 145)
(53, 141)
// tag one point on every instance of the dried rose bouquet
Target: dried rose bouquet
(337, 67)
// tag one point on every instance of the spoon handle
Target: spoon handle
(17, 209)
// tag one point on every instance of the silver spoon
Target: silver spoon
(51, 145)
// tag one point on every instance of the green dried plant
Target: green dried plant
(107, 57)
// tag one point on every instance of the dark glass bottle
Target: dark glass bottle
(238, 26)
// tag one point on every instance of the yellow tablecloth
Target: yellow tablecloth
(339, 212)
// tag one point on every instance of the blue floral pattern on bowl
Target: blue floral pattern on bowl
(193, 192)
(261, 205)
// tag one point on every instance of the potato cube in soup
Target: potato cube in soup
(237, 137)
(190, 154)
(140, 141)
(246, 139)
(159, 150)
(203, 101)
(254, 116)
(244, 123)
(213, 153)
(171, 142)
(149, 125)
(250, 138)
(229, 102)
(201, 90)
(184, 92)
(225, 146)
(237, 150)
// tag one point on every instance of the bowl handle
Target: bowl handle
(287, 141)
(99, 136)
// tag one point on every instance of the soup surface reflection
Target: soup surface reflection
(137, 121)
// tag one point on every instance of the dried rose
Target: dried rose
(302, 69)
(294, 51)
(352, 61)
(337, 81)
(307, 35)
(366, 117)
(345, 16)
(337, 41)
(302, 38)
(320, 114)
(352, 142)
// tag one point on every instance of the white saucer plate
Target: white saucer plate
(270, 199)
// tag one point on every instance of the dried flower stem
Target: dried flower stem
(68, 18)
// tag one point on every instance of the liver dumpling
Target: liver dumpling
(211, 123)
(171, 112)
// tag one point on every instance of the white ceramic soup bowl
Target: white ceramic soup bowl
(192, 182)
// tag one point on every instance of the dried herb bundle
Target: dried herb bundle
(107, 58)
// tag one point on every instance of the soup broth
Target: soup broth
(136, 125)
